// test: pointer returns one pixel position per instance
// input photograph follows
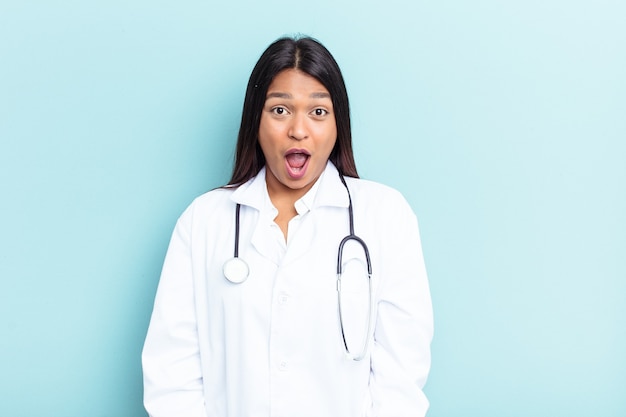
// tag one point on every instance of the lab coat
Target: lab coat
(272, 345)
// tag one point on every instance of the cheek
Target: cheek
(331, 146)
(331, 138)
(269, 129)
(331, 133)
(266, 146)
(265, 137)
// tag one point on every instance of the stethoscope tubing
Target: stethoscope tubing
(353, 237)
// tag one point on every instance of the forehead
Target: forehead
(295, 82)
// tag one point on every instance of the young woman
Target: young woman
(298, 289)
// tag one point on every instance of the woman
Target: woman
(269, 334)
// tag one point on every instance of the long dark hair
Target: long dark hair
(311, 57)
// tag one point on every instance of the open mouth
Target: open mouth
(296, 162)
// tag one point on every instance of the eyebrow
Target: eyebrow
(320, 95)
(278, 95)
(289, 96)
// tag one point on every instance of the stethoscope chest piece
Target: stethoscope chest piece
(236, 270)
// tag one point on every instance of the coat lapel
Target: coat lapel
(253, 195)
(330, 192)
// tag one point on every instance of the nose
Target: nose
(298, 128)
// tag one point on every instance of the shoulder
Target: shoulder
(209, 204)
(214, 197)
(374, 193)
(380, 203)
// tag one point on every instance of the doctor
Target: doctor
(270, 334)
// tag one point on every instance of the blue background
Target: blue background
(503, 123)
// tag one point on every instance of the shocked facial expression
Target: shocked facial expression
(297, 132)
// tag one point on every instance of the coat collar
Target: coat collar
(331, 192)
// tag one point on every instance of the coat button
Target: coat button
(283, 365)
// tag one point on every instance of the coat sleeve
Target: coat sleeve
(400, 357)
(171, 355)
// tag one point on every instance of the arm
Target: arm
(400, 359)
(171, 355)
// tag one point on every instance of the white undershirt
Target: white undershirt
(302, 206)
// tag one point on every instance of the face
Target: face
(297, 132)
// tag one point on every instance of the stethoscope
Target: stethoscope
(236, 270)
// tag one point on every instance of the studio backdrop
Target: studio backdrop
(502, 122)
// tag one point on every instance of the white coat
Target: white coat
(272, 346)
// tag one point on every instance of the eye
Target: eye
(279, 111)
(320, 112)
